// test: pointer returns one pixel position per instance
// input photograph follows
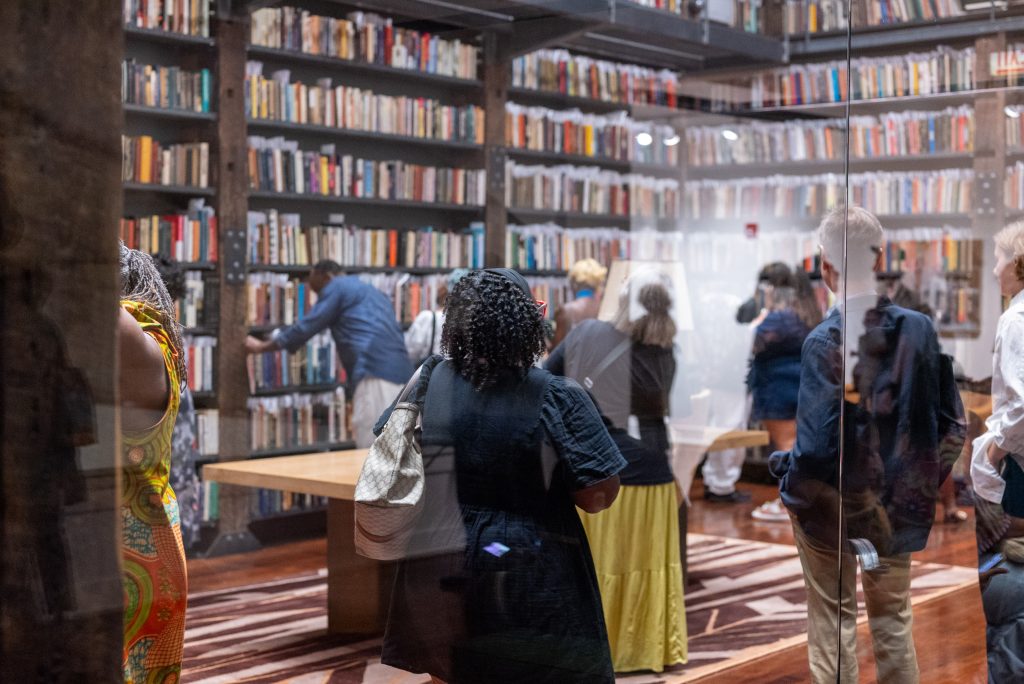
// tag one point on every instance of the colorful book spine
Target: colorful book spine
(297, 420)
(200, 352)
(165, 87)
(188, 237)
(314, 364)
(145, 160)
(189, 17)
(276, 299)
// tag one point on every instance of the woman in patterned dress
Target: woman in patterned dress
(152, 372)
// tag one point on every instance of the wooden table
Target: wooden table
(358, 589)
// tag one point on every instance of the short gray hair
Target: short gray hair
(861, 232)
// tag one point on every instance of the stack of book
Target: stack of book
(144, 160)
(559, 71)
(276, 299)
(278, 239)
(314, 364)
(814, 16)
(890, 194)
(612, 136)
(191, 17)
(199, 352)
(893, 134)
(278, 165)
(943, 70)
(280, 99)
(296, 420)
(590, 190)
(166, 87)
(362, 37)
(184, 237)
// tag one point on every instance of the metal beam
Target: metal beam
(534, 34)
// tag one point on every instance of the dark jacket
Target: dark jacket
(904, 427)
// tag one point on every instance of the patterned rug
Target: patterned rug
(744, 600)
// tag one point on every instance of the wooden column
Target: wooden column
(497, 74)
(232, 207)
(60, 200)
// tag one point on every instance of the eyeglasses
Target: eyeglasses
(543, 306)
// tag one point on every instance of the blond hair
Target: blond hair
(861, 233)
(1010, 241)
(587, 274)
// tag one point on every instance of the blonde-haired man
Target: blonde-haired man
(878, 397)
(586, 278)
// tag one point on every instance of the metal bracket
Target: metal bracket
(496, 164)
(987, 193)
(233, 256)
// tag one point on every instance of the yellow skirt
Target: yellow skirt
(635, 545)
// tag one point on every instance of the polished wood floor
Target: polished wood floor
(949, 632)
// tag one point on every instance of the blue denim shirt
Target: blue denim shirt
(901, 436)
(362, 323)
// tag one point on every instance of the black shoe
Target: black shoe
(735, 496)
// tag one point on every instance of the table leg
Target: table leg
(358, 589)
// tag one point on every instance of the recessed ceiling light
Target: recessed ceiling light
(730, 135)
(672, 140)
(644, 139)
(1011, 112)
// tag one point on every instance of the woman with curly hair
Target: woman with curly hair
(518, 601)
(153, 557)
(629, 366)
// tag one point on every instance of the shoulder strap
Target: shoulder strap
(433, 331)
(614, 354)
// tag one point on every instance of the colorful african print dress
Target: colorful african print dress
(155, 583)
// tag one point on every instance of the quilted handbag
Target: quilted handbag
(389, 491)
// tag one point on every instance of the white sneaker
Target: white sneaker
(771, 511)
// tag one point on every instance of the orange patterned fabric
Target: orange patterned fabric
(155, 582)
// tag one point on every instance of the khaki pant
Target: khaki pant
(887, 596)
(371, 398)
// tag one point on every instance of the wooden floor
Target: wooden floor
(949, 632)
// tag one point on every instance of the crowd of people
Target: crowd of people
(567, 564)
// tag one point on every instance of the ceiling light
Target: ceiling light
(730, 135)
(644, 139)
(672, 140)
(1011, 112)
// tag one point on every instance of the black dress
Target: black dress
(517, 600)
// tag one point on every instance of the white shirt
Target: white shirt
(417, 337)
(1005, 426)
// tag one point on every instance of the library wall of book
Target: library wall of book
(373, 144)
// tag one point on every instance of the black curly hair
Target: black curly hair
(491, 329)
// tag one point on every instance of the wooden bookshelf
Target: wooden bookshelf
(135, 34)
(911, 162)
(178, 190)
(621, 165)
(348, 134)
(182, 115)
(294, 389)
(267, 195)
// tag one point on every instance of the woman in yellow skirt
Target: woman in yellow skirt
(628, 365)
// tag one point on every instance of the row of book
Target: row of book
(889, 194)
(278, 98)
(945, 253)
(186, 237)
(191, 17)
(200, 352)
(166, 87)
(209, 493)
(814, 16)
(943, 70)
(276, 238)
(409, 294)
(271, 502)
(893, 134)
(559, 71)
(362, 37)
(1015, 127)
(207, 431)
(1006, 67)
(276, 299)
(550, 247)
(145, 160)
(590, 190)
(191, 309)
(295, 420)
(278, 165)
(611, 136)
(1013, 187)
(314, 364)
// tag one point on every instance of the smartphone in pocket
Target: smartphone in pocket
(991, 563)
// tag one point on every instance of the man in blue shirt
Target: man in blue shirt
(369, 341)
(879, 425)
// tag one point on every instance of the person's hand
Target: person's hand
(254, 345)
(985, 577)
(995, 454)
(760, 318)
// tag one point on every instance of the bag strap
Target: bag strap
(433, 331)
(614, 354)
(409, 386)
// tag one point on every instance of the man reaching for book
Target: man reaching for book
(369, 341)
